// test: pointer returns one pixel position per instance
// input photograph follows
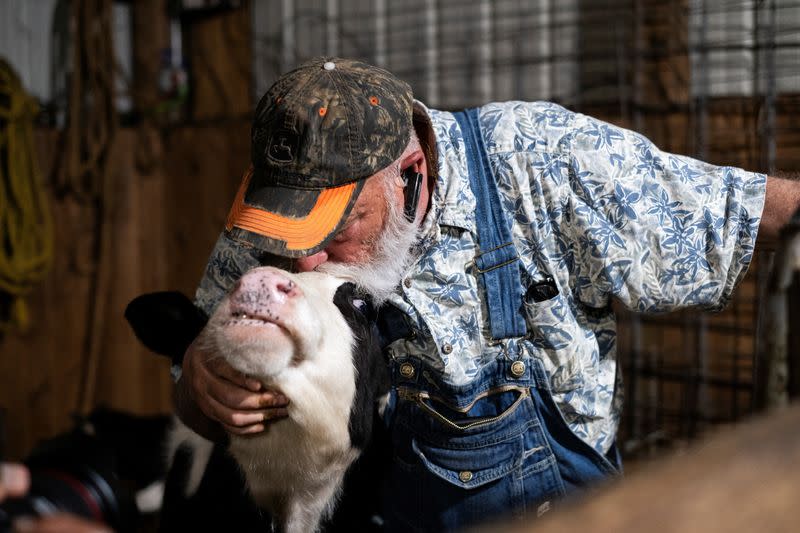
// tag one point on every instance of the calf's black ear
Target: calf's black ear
(166, 322)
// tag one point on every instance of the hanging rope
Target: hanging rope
(83, 169)
(91, 115)
(26, 230)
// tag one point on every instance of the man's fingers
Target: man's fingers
(232, 418)
(58, 523)
(197, 360)
(14, 480)
(276, 413)
(225, 395)
(220, 368)
(269, 415)
(237, 398)
(271, 399)
(249, 430)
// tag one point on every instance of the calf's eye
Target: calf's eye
(364, 306)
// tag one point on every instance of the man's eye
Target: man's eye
(342, 235)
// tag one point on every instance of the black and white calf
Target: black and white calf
(310, 337)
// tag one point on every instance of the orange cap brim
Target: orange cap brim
(295, 233)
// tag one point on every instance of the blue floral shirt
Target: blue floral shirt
(599, 209)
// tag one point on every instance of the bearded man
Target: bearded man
(495, 240)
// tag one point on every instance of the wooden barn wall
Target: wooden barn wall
(164, 226)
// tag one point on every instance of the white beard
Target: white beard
(392, 257)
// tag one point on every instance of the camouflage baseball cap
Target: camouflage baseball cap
(318, 132)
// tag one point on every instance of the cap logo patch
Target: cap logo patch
(282, 146)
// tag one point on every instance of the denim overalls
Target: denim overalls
(497, 446)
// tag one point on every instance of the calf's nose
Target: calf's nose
(266, 286)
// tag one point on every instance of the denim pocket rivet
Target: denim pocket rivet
(465, 476)
(407, 370)
(517, 368)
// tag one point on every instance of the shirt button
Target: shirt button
(407, 283)
(465, 476)
(407, 370)
(517, 368)
(447, 348)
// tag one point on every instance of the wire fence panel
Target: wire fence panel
(713, 79)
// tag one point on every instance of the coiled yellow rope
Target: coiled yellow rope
(26, 229)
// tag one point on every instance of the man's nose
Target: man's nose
(307, 264)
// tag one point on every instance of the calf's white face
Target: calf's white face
(275, 326)
(310, 336)
(306, 335)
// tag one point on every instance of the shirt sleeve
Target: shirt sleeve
(228, 261)
(658, 231)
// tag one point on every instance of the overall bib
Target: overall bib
(497, 446)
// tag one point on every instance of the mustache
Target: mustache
(392, 256)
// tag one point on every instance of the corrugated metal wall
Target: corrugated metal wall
(460, 53)
(453, 53)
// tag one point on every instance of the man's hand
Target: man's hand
(58, 523)
(229, 397)
(14, 480)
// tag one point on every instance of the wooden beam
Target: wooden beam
(150, 37)
(220, 55)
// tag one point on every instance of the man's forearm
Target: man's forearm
(781, 201)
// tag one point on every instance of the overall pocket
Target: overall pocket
(462, 465)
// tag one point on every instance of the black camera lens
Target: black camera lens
(73, 474)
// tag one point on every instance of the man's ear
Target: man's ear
(166, 322)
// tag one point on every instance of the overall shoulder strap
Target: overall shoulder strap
(497, 260)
